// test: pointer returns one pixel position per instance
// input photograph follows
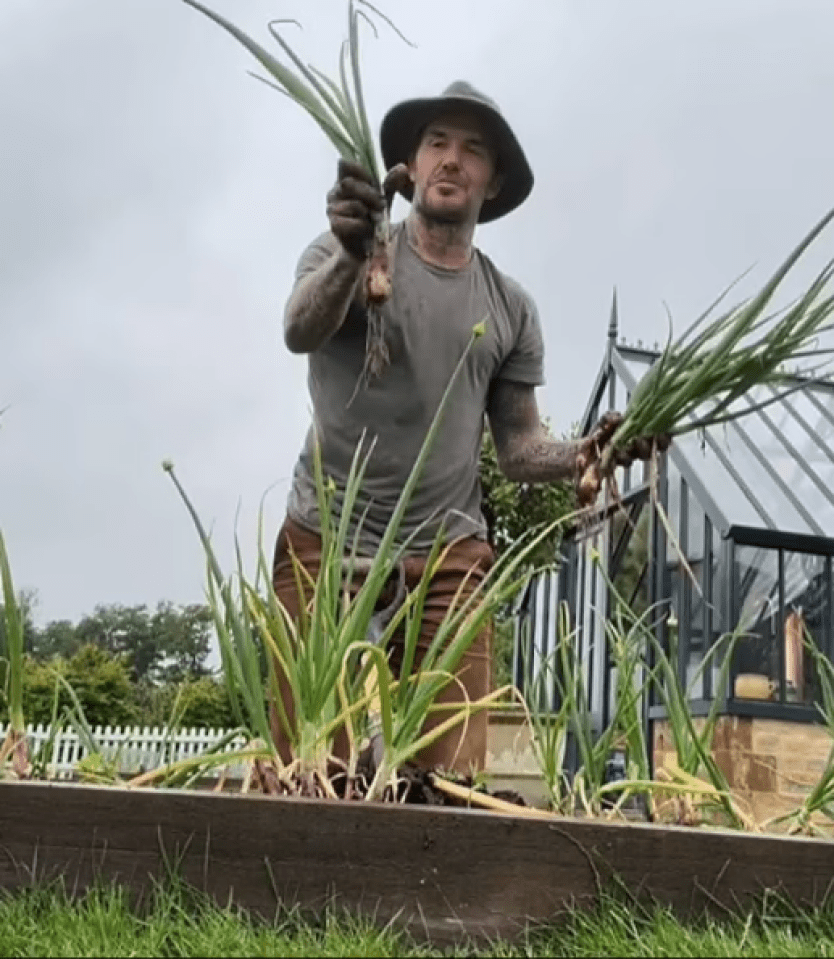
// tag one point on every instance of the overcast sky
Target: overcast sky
(154, 200)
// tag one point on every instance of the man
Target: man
(456, 158)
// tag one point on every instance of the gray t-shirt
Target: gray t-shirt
(428, 322)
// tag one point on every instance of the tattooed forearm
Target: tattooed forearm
(539, 459)
(526, 452)
(320, 303)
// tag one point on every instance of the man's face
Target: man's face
(453, 169)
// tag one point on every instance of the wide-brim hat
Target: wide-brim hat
(404, 122)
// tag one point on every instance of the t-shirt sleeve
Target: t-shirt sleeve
(316, 254)
(525, 361)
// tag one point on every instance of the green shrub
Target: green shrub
(101, 682)
(203, 704)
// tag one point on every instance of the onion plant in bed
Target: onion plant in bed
(326, 656)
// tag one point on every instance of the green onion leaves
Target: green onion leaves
(700, 376)
(337, 108)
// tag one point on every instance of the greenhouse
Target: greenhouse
(749, 506)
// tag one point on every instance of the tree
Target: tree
(512, 508)
(123, 630)
(184, 635)
(57, 638)
(100, 681)
(102, 684)
(39, 688)
(170, 643)
(203, 703)
(26, 600)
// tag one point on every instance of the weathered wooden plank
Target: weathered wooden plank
(441, 872)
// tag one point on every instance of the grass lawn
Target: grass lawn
(41, 922)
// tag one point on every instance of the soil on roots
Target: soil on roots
(414, 785)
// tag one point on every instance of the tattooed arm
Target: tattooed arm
(320, 302)
(526, 452)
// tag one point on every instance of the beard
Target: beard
(440, 214)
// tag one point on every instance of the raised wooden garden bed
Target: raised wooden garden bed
(442, 873)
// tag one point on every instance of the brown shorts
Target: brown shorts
(470, 557)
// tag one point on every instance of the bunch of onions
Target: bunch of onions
(339, 110)
(701, 375)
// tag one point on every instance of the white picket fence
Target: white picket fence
(135, 749)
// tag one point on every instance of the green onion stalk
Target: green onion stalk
(692, 784)
(338, 107)
(11, 661)
(699, 378)
(588, 789)
(694, 774)
(407, 702)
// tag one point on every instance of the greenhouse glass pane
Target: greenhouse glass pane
(686, 517)
(756, 653)
(695, 530)
(673, 505)
(721, 573)
(797, 459)
(812, 433)
(802, 403)
(806, 611)
(715, 476)
(620, 394)
(671, 583)
(599, 643)
(782, 512)
(718, 595)
(757, 586)
(638, 365)
(631, 580)
(588, 602)
(625, 479)
(693, 599)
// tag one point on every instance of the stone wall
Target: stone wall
(511, 762)
(770, 764)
